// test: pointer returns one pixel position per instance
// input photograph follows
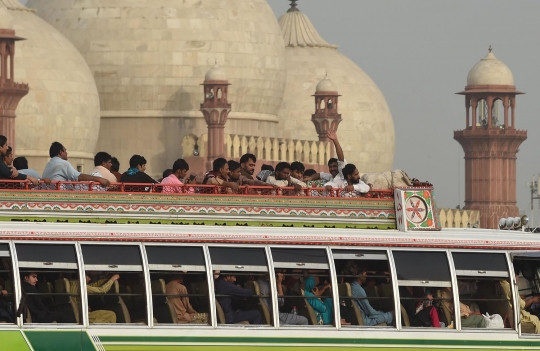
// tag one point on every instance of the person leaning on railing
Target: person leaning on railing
(7, 172)
(60, 169)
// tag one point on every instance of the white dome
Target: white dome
(6, 20)
(149, 57)
(326, 85)
(367, 130)
(215, 73)
(63, 103)
(490, 71)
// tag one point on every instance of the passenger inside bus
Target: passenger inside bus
(101, 286)
(370, 315)
(32, 301)
(177, 295)
(284, 317)
(418, 303)
(525, 316)
(226, 289)
(321, 305)
(470, 315)
(7, 312)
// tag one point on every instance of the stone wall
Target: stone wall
(313, 154)
(454, 218)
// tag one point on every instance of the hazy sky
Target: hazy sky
(419, 53)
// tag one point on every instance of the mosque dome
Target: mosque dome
(6, 20)
(325, 85)
(215, 73)
(149, 58)
(63, 102)
(367, 130)
(490, 71)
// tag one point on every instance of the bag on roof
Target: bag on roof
(387, 180)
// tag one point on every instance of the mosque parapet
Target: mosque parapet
(313, 154)
(454, 218)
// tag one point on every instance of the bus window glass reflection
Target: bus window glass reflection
(365, 289)
(179, 285)
(306, 287)
(50, 294)
(424, 288)
(7, 297)
(238, 296)
(115, 284)
(483, 288)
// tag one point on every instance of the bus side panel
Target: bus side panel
(13, 340)
(59, 340)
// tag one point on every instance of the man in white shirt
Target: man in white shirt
(103, 164)
(335, 178)
(60, 169)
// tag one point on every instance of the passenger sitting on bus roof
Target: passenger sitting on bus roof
(469, 319)
(7, 172)
(284, 318)
(370, 315)
(297, 170)
(115, 168)
(101, 286)
(323, 308)
(60, 169)
(235, 175)
(179, 172)
(282, 177)
(184, 311)
(103, 164)
(21, 164)
(247, 164)
(354, 186)
(219, 175)
(31, 300)
(135, 173)
(524, 315)
(224, 285)
(266, 170)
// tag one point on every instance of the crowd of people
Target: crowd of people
(229, 174)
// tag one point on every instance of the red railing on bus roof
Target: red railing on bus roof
(186, 189)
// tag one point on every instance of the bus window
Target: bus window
(482, 281)
(527, 270)
(365, 289)
(115, 284)
(7, 297)
(50, 283)
(425, 288)
(238, 295)
(179, 284)
(306, 286)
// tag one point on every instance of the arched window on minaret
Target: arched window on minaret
(482, 114)
(497, 113)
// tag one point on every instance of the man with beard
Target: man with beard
(236, 174)
(247, 165)
(354, 184)
(336, 178)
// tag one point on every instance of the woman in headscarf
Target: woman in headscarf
(323, 307)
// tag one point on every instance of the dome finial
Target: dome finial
(293, 6)
(490, 49)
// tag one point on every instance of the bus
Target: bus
(392, 246)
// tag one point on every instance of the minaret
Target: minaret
(215, 109)
(10, 91)
(490, 141)
(326, 114)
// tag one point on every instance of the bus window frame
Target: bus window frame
(212, 288)
(119, 268)
(510, 268)
(371, 257)
(17, 276)
(12, 254)
(331, 269)
(396, 285)
(149, 285)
